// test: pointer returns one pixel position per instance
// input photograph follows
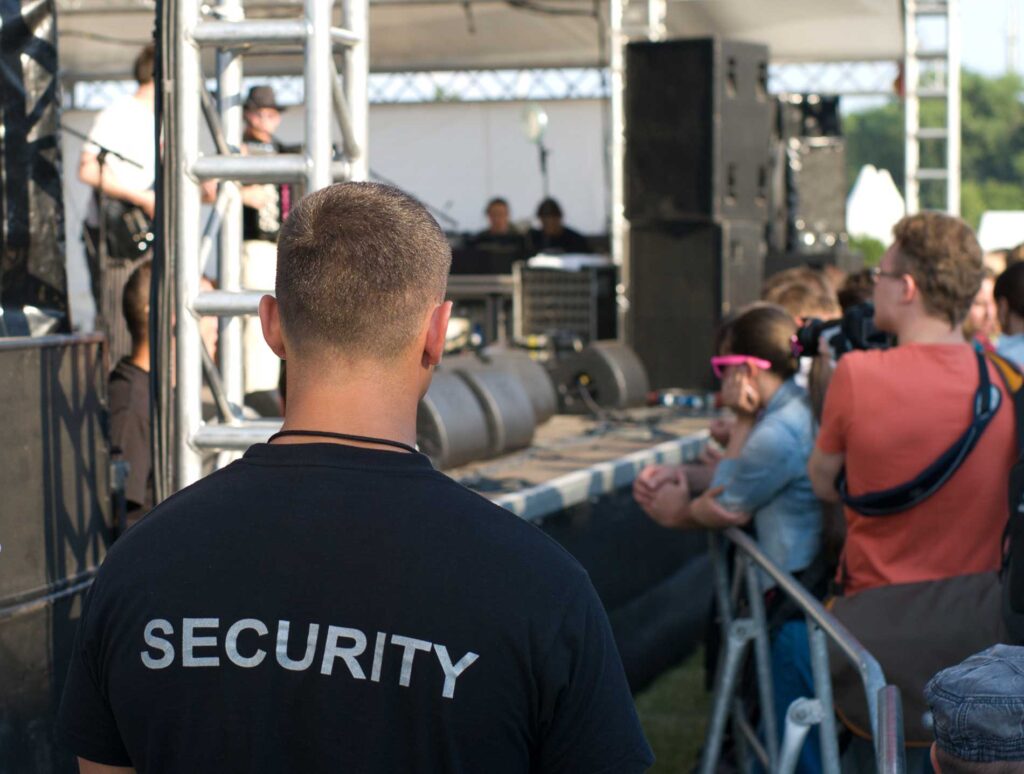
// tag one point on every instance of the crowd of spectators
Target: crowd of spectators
(831, 463)
(814, 459)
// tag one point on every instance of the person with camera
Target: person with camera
(762, 478)
(918, 572)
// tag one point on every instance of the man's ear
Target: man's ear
(270, 320)
(910, 288)
(437, 331)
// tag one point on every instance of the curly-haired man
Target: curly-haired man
(888, 418)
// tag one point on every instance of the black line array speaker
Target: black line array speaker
(808, 115)
(685, 277)
(698, 128)
(818, 201)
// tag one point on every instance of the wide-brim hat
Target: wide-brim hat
(261, 97)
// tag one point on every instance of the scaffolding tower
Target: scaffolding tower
(321, 32)
(931, 74)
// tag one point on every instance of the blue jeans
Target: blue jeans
(792, 679)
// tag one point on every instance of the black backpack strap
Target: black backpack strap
(885, 502)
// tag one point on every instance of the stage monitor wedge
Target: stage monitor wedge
(698, 131)
(684, 278)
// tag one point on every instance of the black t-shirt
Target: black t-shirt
(264, 223)
(319, 607)
(130, 433)
(502, 250)
(568, 241)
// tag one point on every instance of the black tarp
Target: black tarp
(33, 281)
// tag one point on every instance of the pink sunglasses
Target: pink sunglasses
(720, 362)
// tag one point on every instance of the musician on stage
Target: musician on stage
(119, 163)
(125, 126)
(264, 208)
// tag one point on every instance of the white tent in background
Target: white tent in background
(874, 205)
(1001, 230)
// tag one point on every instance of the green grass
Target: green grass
(673, 712)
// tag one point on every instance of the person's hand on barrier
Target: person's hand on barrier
(663, 494)
(710, 456)
(706, 511)
(653, 477)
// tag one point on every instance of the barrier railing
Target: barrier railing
(740, 632)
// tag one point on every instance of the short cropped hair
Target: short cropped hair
(943, 256)
(549, 208)
(801, 300)
(497, 200)
(800, 275)
(857, 289)
(135, 302)
(357, 265)
(1010, 285)
(144, 63)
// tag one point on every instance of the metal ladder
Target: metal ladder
(225, 29)
(943, 67)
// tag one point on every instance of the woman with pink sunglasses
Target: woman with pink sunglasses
(762, 478)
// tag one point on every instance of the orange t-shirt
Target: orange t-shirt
(892, 413)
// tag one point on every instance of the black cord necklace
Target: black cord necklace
(345, 437)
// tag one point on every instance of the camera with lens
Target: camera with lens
(854, 330)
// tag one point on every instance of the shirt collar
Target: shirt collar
(789, 390)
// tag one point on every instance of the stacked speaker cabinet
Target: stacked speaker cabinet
(808, 198)
(698, 178)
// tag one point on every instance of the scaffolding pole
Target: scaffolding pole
(314, 166)
(931, 75)
(229, 99)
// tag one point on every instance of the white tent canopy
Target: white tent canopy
(98, 38)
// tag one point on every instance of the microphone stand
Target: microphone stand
(102, 251)
(543, 151)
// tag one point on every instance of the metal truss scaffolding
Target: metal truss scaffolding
(225, 29)
(932, 74)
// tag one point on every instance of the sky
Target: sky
(984, 25)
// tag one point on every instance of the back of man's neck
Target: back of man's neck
(374, 409)
(929, 330)
(140, 358)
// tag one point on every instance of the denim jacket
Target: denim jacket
(1012, 348)
(769, 480)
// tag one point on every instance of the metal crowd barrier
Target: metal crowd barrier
(738, 633)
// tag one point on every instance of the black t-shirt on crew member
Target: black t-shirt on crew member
(502, 250)
(568, 241)
(320, 607)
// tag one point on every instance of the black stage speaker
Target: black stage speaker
(698, 127)
(808, 115)
(817, 172)
(55, 527)
(684, 277)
